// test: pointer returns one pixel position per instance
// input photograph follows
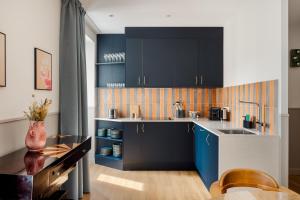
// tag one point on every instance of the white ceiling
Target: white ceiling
(153, 13)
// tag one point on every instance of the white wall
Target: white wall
(91, 41)
(294, 43)
(13, 133)
(28, 24)
(255, 49)
(90, 47)
(252, 43)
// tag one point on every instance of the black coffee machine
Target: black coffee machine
(215, 113)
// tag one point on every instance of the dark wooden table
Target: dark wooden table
(33, 175)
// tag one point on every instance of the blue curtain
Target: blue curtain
(73, 89)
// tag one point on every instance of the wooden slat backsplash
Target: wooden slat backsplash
(264, 93)
(158, 103)
(155, 103)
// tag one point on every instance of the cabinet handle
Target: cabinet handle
(188, 127)
(201, 80)
(202, 130)
(144, 80)
(207, 139)
(137, 128)
(193, 128)
(196, 80)
(139, 80)
(143, 128)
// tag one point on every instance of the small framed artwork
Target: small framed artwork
(2, 60)
(42, 70)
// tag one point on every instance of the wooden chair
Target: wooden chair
(243, 178)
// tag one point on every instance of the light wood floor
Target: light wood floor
(111, 184)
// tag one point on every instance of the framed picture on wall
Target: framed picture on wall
(2, 60)
(42, 70)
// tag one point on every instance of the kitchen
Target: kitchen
(139, 99)
(162, 106)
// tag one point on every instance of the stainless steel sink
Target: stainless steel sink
(236, 132)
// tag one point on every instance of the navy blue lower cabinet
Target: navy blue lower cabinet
(158, 146)
(167, 146)
(132, 143)
(206, 146)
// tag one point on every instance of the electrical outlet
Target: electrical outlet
(295, 58)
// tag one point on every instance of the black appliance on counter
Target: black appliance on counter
(215, 113)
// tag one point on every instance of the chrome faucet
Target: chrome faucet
(259, 121)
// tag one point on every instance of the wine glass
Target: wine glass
(123, 56)
(109, 57)
(105, 58)
(114, 57)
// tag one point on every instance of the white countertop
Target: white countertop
(211, 126)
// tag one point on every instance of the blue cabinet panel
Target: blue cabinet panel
(213, 159)
(206, 155)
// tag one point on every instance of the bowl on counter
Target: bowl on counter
(194, 114)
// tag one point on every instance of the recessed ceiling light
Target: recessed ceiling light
(111, 15)
(168, 15)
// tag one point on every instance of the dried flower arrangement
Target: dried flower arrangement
(38, 111)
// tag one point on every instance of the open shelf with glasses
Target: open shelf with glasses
(110, 64)
(110, 73)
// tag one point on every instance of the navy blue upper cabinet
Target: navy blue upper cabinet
(185, 63)
(157, 66)
(169, 62)
(147, 66)
(134, 64)
(210, 59)
(174, 57)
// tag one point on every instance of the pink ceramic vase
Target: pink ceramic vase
(36, 136)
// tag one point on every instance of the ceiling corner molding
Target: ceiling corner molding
(89, 22)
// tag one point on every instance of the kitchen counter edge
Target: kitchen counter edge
(211, 126)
